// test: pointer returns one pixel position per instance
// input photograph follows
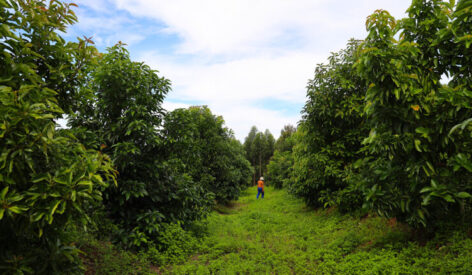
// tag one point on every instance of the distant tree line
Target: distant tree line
(259, 148)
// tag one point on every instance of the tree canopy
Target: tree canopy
(259, 149)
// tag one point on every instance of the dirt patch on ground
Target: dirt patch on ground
(366, 244)
(392, 223)
(195, 257)
(331, 210)
(229, 208)
(235, 205)
(88, 259)
(155, 269)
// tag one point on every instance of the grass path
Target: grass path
(279, 235)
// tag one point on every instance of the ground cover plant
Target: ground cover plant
(280, 235)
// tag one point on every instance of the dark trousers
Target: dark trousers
(260, 191)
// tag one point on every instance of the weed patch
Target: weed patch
(279, 235)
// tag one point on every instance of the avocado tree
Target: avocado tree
(330, 133)
(208, 150)
(124, 117)
(279, 169)
(47, 177)
(414, 169)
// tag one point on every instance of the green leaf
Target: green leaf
(417, 145)
(98, 178)
(50, 132)
(86, 183)
(397, 93)
(464, 161)
(425, 189)
(434, 183)
(420, 214)
(53, 209)
(4, 193)
(430, 166)
(461, 125)
(449, 198)
(463, 195)
(36, 217)
(423, 131)
(17, 209)
(426, 200)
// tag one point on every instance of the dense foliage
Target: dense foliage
(330, 133)
(208, 150)
(124, 117)
(381, 129)
(259, 148)
(414, 169)
(279, 169)
(47, 178)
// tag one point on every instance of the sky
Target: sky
(248, 60)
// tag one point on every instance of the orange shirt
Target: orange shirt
(260, 184)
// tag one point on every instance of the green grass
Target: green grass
(279, 235)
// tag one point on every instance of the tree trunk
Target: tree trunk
(255, 172)
(260, 165)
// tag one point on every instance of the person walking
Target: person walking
(260, 187)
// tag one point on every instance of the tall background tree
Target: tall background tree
(284, 143)
(259, 149)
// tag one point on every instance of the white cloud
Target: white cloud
(242, 26)
(240, 90)
(236, 55)
(170, 106)
(220, 26)
(241, 118)
(103, 23)
(105, 28)
(253, 78)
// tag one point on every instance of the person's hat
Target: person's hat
(262, 178)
